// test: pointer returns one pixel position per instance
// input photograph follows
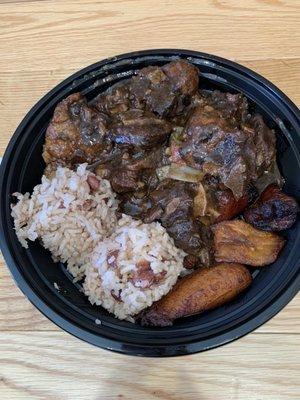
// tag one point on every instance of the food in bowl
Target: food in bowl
(180, 167)
(134, 267)
(203, 290)
(70, 214)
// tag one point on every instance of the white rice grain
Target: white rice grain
(113, 278)
(57, 213)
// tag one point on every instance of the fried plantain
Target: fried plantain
(274, 210)
(237, 241)
(200, 291)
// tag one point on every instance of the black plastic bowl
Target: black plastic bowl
(35, 273)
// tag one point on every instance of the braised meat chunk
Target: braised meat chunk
(222, 148)
(135, 128)
(114, 100)
(152, 90)
(168, 89)
(217, 148)
(184, 77)
(165, 90)
(172, 203)
(76, 132)
(230, 106)
(135, 173)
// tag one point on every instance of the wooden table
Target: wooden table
(42, 42)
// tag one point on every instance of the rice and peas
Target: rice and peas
(125, 265)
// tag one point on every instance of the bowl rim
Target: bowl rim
(115, 345)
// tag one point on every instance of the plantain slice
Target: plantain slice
(200, 291)
(237, 241)
(274, 210)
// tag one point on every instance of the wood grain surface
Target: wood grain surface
(53, 365)
(43, 42)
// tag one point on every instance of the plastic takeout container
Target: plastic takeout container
(35, 273)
